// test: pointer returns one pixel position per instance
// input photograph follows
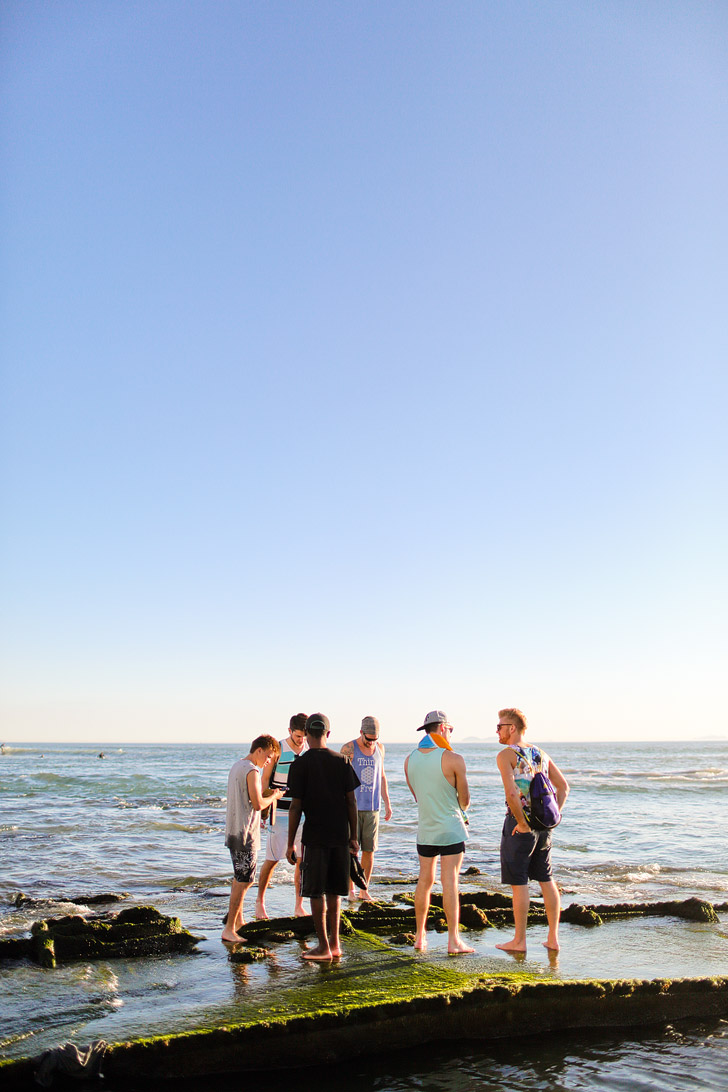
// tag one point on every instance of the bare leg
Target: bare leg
(521, 900)
(422, 900)
(367, 864)
(300, 910)
(266, 872)
(235, 912)
(333, 917)
(322, 951)
(449, 872)
(552, 905)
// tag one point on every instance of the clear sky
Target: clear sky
(364, 357)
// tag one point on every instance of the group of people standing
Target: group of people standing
(340, 795)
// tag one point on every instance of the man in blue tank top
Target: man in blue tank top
(438, 781)
(366, 755)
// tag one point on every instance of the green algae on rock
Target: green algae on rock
(692, 909)
(248, 955)
(138, 931)
(401, 1007)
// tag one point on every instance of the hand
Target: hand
(291, 855)
(387, 813)
(353, 847)
(521, 829)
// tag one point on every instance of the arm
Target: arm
(257, 799)
(406, 777)
(353, 821)
(385, 791)
(266, 776)
(453, 767)
(294, 818)
(348, 750)
(506, 765)
(559, 782)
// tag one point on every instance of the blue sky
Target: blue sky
(364, 357)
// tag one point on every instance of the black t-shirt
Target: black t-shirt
(320, 779)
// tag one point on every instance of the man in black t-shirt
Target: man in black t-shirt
(322, 785)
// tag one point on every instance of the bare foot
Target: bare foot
(229, 937)
(459, 948)
(299, 912)
(366, 897)
(511, 946)
(352, 895)
(261, 913)
(318, 955)
(421, 945)
(552, 947)
(336, 953)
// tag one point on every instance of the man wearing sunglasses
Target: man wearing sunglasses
(366, 755)
(526, 853)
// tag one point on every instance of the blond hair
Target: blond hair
(516, 717)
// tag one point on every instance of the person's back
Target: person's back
(322, 773)
(437, 779)
(440, 820)
(322, 787)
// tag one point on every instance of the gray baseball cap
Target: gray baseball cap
(432, 719)
(370, 727)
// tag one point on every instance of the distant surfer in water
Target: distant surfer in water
(526, 853)
(438, 781)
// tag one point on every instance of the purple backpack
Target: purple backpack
(544, 812)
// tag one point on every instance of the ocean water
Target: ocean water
(643, 822)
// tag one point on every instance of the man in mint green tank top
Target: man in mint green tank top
(438, 781)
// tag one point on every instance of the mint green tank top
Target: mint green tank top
(440, 819)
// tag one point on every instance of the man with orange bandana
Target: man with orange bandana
(437, 779)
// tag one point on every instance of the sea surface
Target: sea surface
(644, 821)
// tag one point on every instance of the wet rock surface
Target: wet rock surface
(693, 909)
(22, 901)
(138, 931)
(386, 919)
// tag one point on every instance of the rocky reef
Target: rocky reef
(137, 931)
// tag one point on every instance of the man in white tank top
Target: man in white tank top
(276, 776)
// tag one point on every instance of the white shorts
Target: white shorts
(278, 839)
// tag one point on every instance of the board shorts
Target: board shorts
(325, 871)
(245, 860)
(278, 839)
(368, 830)
(524, 857)
(441, 851)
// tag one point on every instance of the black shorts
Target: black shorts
(441, 851)
(524, 857)
(244, 861)
(325, 871)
